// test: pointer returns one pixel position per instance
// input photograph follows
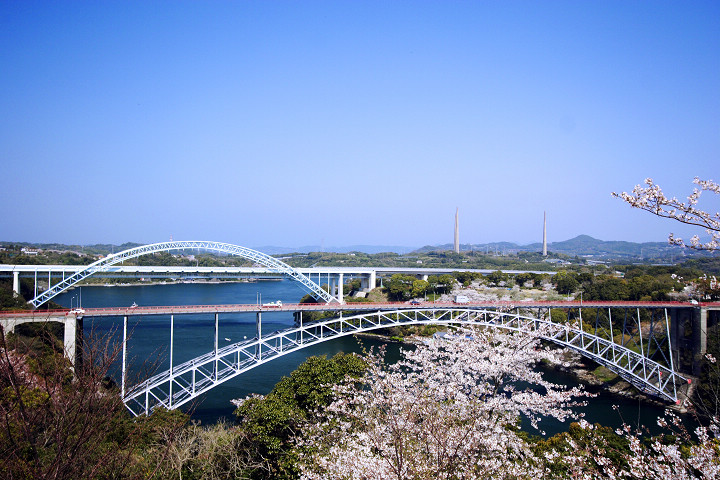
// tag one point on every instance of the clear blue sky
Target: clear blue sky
(296, 123)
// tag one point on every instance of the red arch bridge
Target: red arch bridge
(646, 343)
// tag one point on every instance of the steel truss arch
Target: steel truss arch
(103, 264)
(178, 386)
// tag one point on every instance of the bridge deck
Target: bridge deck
(362, 306)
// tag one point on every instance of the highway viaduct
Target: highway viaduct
(334, 277)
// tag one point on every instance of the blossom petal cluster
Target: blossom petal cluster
(652, 199)
(448, 409)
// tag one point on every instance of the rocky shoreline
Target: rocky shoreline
(174, 282)
(577, 366)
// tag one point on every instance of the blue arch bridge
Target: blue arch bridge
(646, 343)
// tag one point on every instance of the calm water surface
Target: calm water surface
(194, 336)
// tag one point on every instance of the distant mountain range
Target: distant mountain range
(585, 246)
(582, 245)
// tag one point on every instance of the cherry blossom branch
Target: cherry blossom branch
(653, 200)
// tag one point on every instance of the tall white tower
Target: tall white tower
(544, 234)
(457, 231)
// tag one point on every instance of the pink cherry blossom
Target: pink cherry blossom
(653, 200)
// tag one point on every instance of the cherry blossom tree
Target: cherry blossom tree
(448, 409)
(652, 199)
(674, 456)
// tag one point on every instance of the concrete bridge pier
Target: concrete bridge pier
(73, 339)
(368, 282)
(336, 287)
(16, 283)
(689, 336)
(681, 344)
(258, 334)
(708, 318)
(72, 332)
(340, 285)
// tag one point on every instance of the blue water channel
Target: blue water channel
(194, 335)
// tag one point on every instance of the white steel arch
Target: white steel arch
(258, 257)
(182, 383)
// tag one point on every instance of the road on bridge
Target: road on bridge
(360, 306)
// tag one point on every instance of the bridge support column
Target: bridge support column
(372, 281)
(258, 327)
(703, 330)
(172, 342)
(699, 338)
(16, 284)
(124, 358)
(301, 326)
(7, 326)
(683, 328)
(340, 289)
(217, 324)
(73, 339)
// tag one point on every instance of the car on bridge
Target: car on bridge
(276, 304)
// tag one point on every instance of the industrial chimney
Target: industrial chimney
(457, 231)
(544, 234)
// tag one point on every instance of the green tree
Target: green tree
(352, 286)
(497, 277)
(8, 299)
(419, 288)
(399, 287)
(522, 278)
(441, 283)
(647, 287)
(607, 288)
(271, 422)
(465, 277)
(566, 282)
